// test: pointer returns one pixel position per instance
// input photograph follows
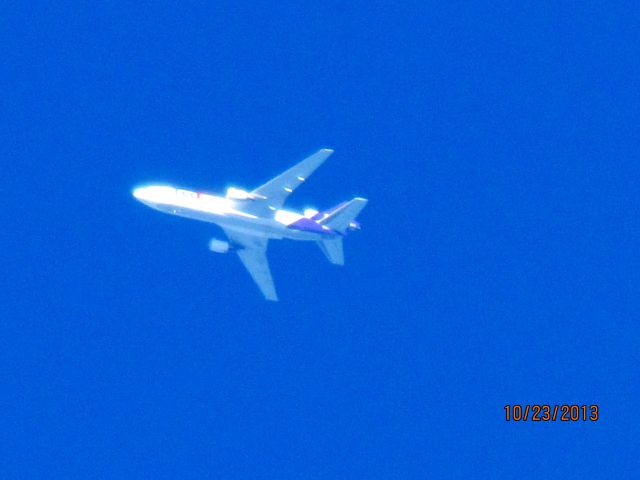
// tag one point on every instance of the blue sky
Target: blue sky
(497, 264)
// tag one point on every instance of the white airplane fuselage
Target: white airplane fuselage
(250, 219)
(227, 213)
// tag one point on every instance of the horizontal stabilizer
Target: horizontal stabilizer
(332, 249)
(340, 219)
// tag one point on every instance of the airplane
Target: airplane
(251, 219)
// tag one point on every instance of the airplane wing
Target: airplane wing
(253, 254)
(276, 191)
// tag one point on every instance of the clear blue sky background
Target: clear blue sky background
(498, 261)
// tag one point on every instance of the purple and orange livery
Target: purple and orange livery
(251, 219)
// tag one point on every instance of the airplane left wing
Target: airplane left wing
(253, 254)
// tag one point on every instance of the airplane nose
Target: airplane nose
(139, 193)
(154, 194)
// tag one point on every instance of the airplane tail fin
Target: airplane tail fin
(342, 217)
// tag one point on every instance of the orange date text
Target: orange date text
(551, 413)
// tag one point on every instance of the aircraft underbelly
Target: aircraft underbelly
(250, 219)
(260, 227)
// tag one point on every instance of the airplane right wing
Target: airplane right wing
(275, 191)
(253, 255)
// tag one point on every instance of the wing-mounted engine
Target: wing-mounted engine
(354, 225)
(239, 194)
(219, 246)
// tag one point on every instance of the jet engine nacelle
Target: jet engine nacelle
(219, 246)
(239, 194)
(354, 225)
